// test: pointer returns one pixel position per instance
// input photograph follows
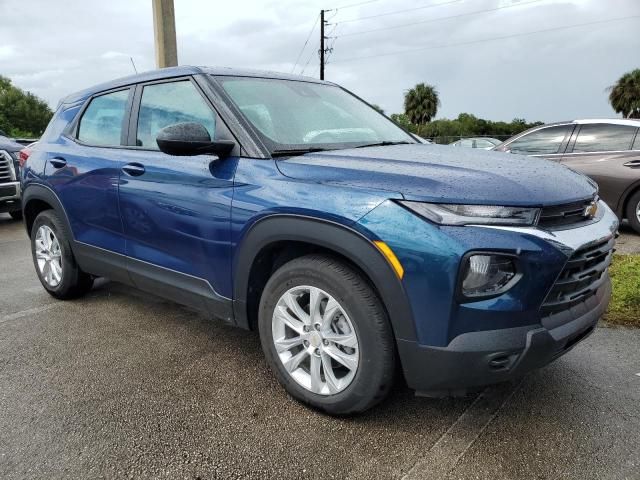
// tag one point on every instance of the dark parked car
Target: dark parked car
(288, 205)
(606, 150)
(10, 177)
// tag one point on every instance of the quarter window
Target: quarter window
(101, 123)
(545, 141)
(166, 104)
(604, 138)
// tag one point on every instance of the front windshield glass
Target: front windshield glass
(297, 115)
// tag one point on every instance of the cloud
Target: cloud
(553, 75)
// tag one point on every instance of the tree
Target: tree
(421, 104)
(22, 114)
(624, 96)
(378, 108)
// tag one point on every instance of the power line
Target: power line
(308, 60)
(471, 42)
(431, 20)
(305, 43)
(396, 12)
(343, 7)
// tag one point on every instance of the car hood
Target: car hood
(9, 145)
(437, 173)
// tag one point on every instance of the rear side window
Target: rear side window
(636, 144)
(604, 138)
(166, 104)
(541, 142)
(102, 121)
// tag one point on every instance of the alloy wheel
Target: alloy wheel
(315, 340)
(48, 256)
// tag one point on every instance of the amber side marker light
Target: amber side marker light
(391, 258)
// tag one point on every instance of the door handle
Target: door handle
(633, 164)
(58, 162)
(133, 169)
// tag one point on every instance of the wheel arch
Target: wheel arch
(275, 239)
(37, 198)
(626, 197)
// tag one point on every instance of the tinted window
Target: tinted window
(165, 104)
(541, 142)
(102, 121)
(604, 138)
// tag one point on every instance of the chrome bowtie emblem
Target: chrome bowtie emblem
(591, 210)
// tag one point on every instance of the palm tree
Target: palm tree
(624, 96)
(421, 104)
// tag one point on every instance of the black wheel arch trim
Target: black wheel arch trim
(38, 191)
(332, 236)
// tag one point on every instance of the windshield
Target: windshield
(302, 116)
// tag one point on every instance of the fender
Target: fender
(333, 236)
(37, 191)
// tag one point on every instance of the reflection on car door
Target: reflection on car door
(176, 210)
(601, 151)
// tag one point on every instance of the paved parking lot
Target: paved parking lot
(121, 384)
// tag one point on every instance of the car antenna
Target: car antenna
(134, 65)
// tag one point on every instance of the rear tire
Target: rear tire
(16, 214)
(633, 211)
(53, 259)
(348, 325)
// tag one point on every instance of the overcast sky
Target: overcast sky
(53, 48)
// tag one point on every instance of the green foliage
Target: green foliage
(421, 104)
(378, 108)
(466, 125)
(22, 114)
(624, 96)
(624, 308)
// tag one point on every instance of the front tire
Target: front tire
(633, 211)
(326, 335)
(55, 265)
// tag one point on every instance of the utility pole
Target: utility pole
(321, 44)
(164, 30)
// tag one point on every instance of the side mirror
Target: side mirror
(191, 138)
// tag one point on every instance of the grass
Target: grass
(624, 308)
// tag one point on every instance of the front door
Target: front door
(176, 210)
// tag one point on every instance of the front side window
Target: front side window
(166, 104)
(545, 141)
(604, 138)
(102, 121)
(290, 115)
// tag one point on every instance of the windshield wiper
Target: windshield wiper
(383, 144)
(296, 151)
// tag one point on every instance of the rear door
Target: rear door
(84, 166)
(176, 210)
(603, 152)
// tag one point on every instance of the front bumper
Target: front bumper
(470, 344)
(10, 197)
(476, 359)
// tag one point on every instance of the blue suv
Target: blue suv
(289, 206)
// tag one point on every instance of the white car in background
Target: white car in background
(485, 143)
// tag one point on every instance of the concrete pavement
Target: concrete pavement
(122, 384)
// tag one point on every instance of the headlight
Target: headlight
(450, 214)
(487, 275)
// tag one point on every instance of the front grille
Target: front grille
(6, 168)
(562, 215)
(581, 277)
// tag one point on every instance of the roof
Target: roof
(179, 72)
(616, 121)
